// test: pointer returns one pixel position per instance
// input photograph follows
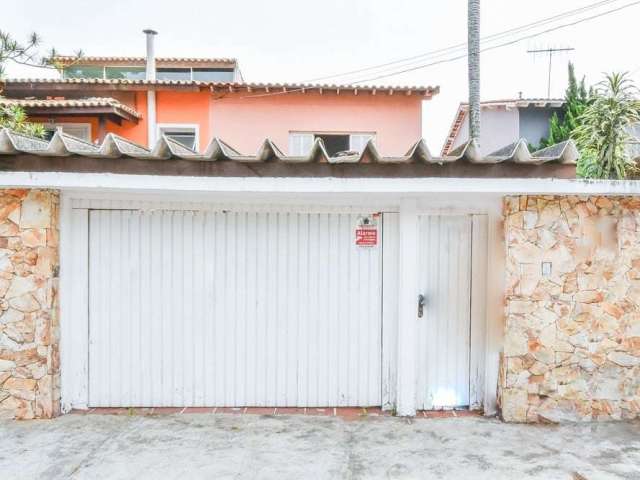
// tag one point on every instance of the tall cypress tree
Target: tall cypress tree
(576, 98)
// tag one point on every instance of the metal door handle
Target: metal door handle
(421, 303)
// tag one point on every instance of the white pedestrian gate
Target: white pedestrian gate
(444, 326)
(204, 308)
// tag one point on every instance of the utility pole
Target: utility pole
(473, 58)
(551, 52)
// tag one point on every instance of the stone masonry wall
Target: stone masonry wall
(572, 338)
(29, 328)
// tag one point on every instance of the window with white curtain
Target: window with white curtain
(357, 141)
(300, 143)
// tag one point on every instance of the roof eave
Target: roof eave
(21, 88)
(112, 111)
(29, 86)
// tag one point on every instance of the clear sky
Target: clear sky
(287, 40)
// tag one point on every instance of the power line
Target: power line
(464, 55)
(505, 44)
(459, 46)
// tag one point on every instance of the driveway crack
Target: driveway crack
(100, 446)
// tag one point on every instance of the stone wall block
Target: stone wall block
(29, 324)
(572, 338)
(36, 210)
(515, 403)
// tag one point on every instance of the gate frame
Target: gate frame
(399, 289)
(482, 372)
(74, 273)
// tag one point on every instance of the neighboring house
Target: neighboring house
(193, 100)
(504, 122)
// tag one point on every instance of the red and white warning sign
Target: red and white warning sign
(367, 230)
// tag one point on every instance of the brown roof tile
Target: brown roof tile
(87, 60)
(71, 103)
(249, 88)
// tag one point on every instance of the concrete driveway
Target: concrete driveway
(303, 447)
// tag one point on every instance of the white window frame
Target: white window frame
(181, 126)
(372, 136)
(293, 135)
(237, 76)
(297, 139)
(59, 127)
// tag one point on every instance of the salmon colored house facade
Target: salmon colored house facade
(196, 100)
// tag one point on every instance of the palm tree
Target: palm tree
(473, 24)
(603, 131)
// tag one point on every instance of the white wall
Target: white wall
(498, 127)
(534, 123)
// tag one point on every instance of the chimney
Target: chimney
(150, 72)
(151, 54)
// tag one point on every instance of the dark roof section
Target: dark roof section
(31, 85)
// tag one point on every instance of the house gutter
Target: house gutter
(152, 124)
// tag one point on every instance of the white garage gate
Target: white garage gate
(198, 304)
(220, 308)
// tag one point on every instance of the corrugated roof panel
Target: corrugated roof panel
(114, 146)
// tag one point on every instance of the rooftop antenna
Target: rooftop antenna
(551, 52)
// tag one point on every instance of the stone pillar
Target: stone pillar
(572, 333)
(29, 324)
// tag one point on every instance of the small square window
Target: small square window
(78, 130)
(186, 136)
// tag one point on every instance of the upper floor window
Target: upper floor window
(139, 73)
(185, 134)
(300, 143)
(357, 141)
(81, 71)
(125, 73)
(78, 130)
(213, 74)
(173, 74)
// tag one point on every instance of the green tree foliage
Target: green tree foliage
(27, 53)
(14, 118)
(576, 98)
(602, 131)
